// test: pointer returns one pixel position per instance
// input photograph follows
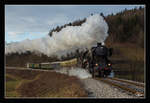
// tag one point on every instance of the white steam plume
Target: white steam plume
(68, 39)
(78, 72)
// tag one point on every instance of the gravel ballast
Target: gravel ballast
(99, 89)
(95, 88)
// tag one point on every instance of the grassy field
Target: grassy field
(27, 83)
(128, 58)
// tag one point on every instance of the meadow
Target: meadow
(28, 83)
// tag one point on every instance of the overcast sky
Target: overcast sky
(35, 21)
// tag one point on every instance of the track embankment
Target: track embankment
(99, 89)
(130, 87)
(66, 82)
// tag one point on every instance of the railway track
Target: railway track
(136, 89)
(130, 82)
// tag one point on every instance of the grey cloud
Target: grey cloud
(32, 19)
(42, 18)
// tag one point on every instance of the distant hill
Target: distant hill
(20, 60)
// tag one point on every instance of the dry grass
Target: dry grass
(24, 74)
(42, 84)
(11, 84)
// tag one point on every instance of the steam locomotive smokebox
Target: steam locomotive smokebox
(101, 51)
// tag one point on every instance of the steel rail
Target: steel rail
(133, 83)
(131, 90)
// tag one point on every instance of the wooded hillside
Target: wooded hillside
(125, 26)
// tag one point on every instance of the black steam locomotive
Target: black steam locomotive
(96, 60)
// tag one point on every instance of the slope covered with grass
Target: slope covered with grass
(27, 83)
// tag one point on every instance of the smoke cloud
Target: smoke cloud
(78, 72)
(68, 39)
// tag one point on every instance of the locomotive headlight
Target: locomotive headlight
(109, 64)
(96, 64)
